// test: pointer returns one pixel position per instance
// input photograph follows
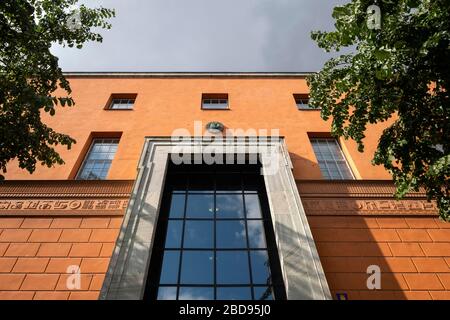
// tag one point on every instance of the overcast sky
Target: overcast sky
(206, 35)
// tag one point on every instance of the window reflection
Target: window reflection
(263, 293)
(231, 234)
(177, 206)
(252, 206)
(215, 242)
(232, 267)
(260, 267)
(167, 293)
(230, 206)
(196, 293)
(197, 267)
(256, 236)
(198, 234)
(169, 274)
(173, 237)
(234, 293)
(200, 206)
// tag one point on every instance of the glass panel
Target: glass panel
(200, 206)
(326, 154)
(169, 272)
(345, 170)
(231, 234)
(334, 171)
(232, 267)
(260, 267)
(263, 293)
(198, 234)
(173, 236)
(201, 183)
(177, 183)
(252, 206)
(215, 104)
(234, 293)
(167, 293)
(228, 183)
(251, 183)
(197, 267)
(196, 293)
(177, 206)
(256, 236)
(230, 206)
(121, 104)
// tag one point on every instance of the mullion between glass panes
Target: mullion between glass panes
(181, 247)
(248, 242)
(215, 241)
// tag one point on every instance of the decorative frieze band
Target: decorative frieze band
(361, 197)
(368, 207)
(63, 207)
(53, 198)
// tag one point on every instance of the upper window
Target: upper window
(302, 101)
(121, 102)
(215, 101)
(98, 159)
(331, 160)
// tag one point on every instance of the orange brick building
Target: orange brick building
(325, 216)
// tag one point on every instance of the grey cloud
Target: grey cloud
(206, 35)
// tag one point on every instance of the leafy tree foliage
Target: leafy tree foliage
(400, 72)
(29, 74)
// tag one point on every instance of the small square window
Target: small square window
(121, 102)
(215, 101)
(302, 102)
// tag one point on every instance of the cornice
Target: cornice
(140, 74)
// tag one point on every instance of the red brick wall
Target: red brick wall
(35, 254)
(413, 254)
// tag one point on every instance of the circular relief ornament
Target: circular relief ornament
(214, 127)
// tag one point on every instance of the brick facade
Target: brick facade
(35, 253)
(413, 254)
(49, 221)
(411, 245)
(412, 250)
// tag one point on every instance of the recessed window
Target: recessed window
(331, 160)
(215, 243)
(302, 101)
(215, 101)
(121, 102)
(98, 159)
